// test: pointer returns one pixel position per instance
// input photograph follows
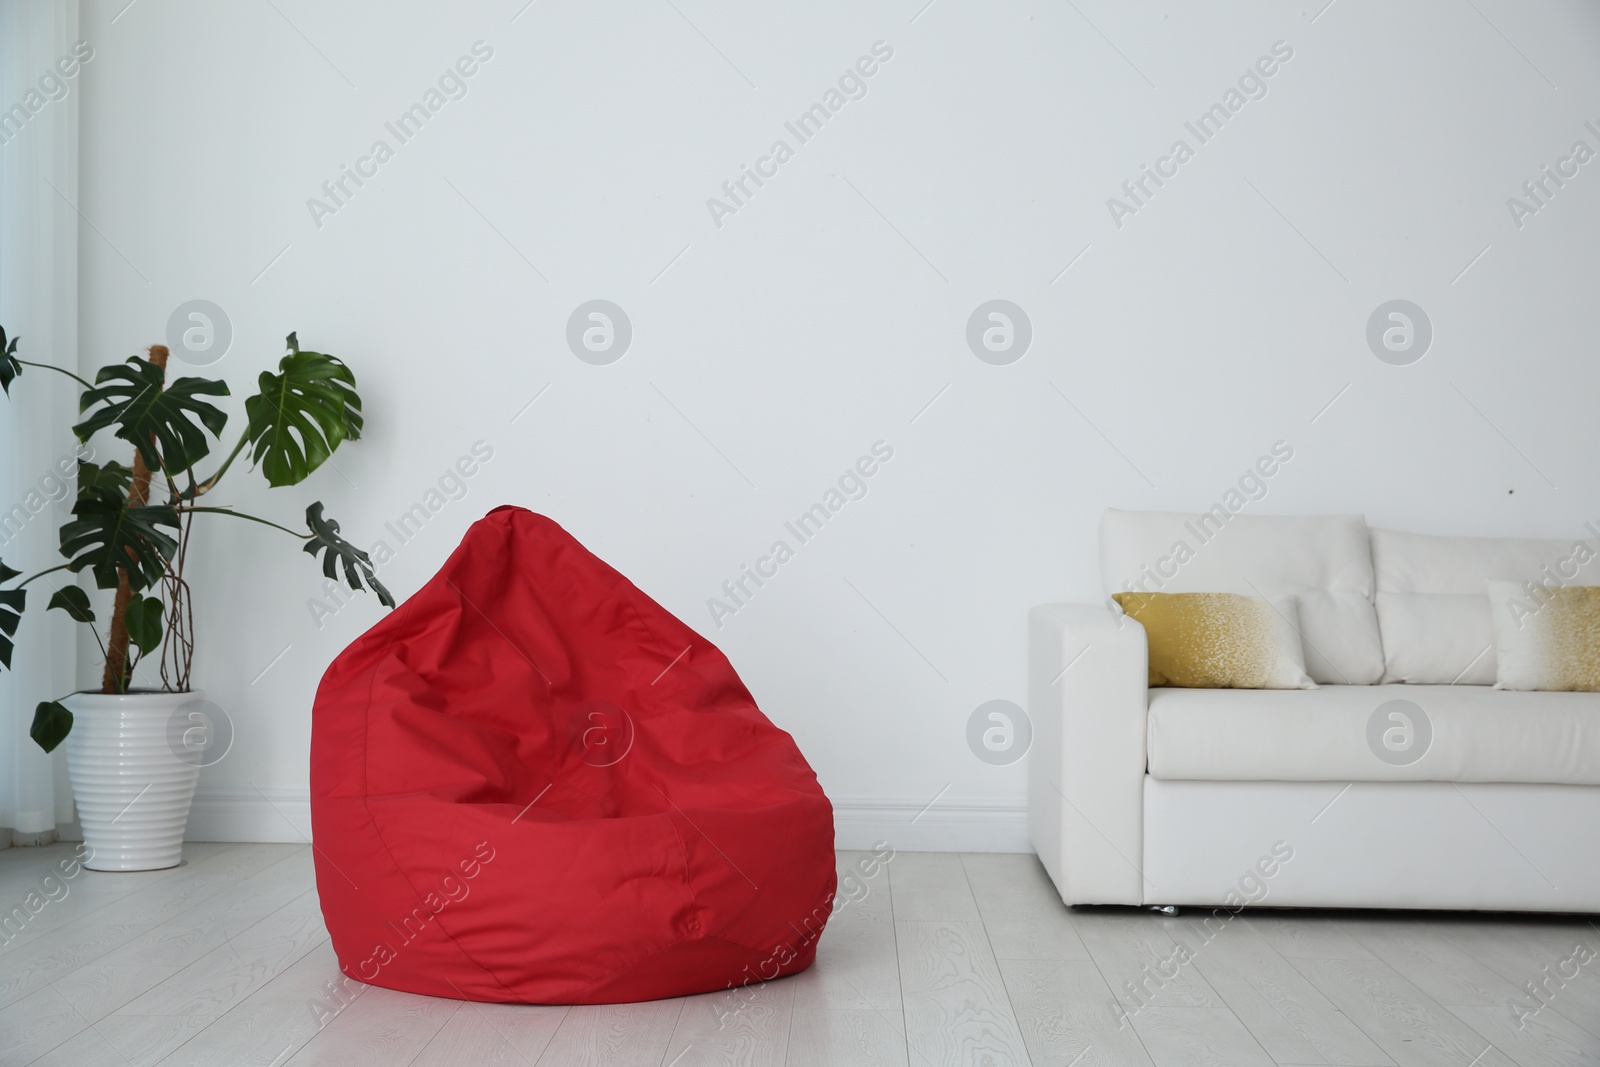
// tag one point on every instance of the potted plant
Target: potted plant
(130, 529)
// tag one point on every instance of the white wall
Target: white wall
(828, 311)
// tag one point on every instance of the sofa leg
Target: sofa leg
(1165, 909)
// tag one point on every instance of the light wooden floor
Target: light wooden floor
(948, 959)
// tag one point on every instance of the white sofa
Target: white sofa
(1196, 796)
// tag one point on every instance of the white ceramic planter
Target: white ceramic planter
(131, 788)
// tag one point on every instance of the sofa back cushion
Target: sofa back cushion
(1433, 605)
(1324, 560)
(1436, 638)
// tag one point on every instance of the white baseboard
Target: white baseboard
(226, 813)
(908, 825)
(913, 825)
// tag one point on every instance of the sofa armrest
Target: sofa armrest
(1088, 670)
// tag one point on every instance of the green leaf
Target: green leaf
(301, 414)
(73, 601)
(357, 564)
(144, 622)
(12, 601)
(111, 481)
(52, 722)
(109, 537)
(9, 367)
(159, 422)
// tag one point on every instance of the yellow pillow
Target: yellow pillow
(1220, 640)
(1546, 637)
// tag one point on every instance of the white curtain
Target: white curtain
(39, 303)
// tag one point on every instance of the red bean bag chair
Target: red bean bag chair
(531, 783)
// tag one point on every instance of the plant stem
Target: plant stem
(41, 574)
(115, 678)
(58, 370)
(62, 567)
(205, 486)
(242, 515)
(103, 652)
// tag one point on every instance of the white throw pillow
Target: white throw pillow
(1547, 637)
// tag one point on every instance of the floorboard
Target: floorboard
(1280, 1007)
(379, 1027)
(931, 887)
(1067, 1015)
(847, 1038)
(1146, 958)
(614, 1035)
(930, 959)
(753, 1031)
(1020, 908)
(1407, 1024)
(493, 1035)
(857, 965)
(1198, 1037)
(956, 1008)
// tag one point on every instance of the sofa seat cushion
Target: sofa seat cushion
(1463, 734)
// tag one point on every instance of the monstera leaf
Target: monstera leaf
(336, 550)
(12, 601)
(9, 367)
(108, 536)
(110, 480)
(159, 422)
(302, 414)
